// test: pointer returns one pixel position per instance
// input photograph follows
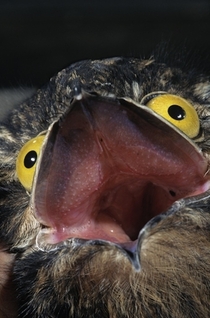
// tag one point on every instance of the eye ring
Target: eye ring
(146, 98)
(26, 161)
(178, 111)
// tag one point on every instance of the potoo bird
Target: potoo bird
(104, 193)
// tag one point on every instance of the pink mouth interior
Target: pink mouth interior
(106, 171)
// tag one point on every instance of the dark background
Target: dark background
(38, 38)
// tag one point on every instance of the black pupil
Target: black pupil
(30, 159)
(176, 112)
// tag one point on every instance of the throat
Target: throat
(116, 212)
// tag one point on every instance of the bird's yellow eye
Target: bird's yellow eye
(177, 111)
(26, 161)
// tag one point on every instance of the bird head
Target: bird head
(101, 167)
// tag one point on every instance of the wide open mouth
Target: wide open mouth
(109, 166)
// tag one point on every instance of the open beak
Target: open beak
(109, 166)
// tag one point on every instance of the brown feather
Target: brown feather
(99, 280)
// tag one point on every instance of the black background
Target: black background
(39, 38)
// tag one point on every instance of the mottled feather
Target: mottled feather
(98, 280)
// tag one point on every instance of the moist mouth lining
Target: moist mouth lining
(129, 206)
(108, 167)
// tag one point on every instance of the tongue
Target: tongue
(100, 162)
